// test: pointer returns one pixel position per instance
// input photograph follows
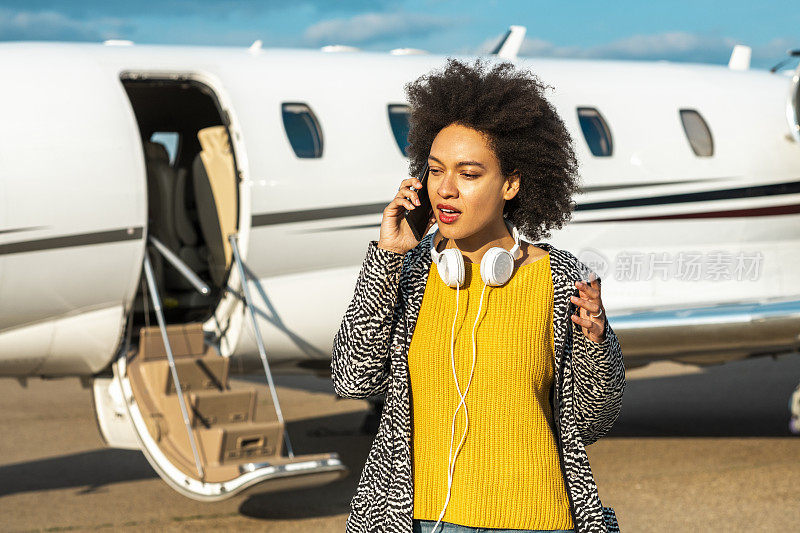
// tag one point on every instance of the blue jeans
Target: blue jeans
(426, 526)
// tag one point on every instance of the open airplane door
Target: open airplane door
(170, 395)
(218, 441)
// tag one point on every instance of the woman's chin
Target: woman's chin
(453, 231)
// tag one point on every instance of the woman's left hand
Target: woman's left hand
(589, 304)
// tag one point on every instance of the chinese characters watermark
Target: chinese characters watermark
(716, 265)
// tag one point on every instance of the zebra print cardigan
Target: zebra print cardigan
(370, 357)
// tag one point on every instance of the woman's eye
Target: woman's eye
(436, 171)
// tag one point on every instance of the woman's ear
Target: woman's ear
(512, 185)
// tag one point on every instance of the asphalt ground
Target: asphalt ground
(694, 449)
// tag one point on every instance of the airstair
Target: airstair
(208, 439)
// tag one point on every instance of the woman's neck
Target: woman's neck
(474, 246)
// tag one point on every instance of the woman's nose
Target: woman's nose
(447, 186)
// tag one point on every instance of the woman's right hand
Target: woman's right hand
(396, 234)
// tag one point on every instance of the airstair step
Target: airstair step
(226, 407)
(209, 408)
(200, 373)
(209, 372)
(184, 339)
(228, 444)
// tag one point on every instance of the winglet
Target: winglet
(740, 57)
(509, 45)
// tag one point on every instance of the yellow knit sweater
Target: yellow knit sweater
(507, 474)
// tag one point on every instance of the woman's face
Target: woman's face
(465, 176)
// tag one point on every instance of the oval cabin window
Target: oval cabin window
(303, 130)
(595, 131)
(697, 133)
(398, 120)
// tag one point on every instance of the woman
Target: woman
(493, 387)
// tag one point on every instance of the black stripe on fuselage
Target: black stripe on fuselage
(17, 230)
(773, 210)
(755, 191)
(790, 187)
(286, 217)
(66, 241)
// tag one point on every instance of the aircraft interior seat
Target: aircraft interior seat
(183, 224)
(161, 177)
(189, 246)
(155, 156)
(214, 180)
(209, 223)
(169, 219)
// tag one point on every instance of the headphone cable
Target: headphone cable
(450, 458)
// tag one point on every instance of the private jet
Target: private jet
(173, 215)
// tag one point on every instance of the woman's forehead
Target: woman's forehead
(461, 147)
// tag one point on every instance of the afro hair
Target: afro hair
(524, 131)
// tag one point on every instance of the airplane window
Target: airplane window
(697, 132)
(302, 129)
(170, 140)
(398, 119)
(595, 131)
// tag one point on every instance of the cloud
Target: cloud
(677, 46)
(671, 46)
(374, 27)
(54, 26)
(183, 8)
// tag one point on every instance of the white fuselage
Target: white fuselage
(73, 191)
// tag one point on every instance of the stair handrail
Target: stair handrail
(232, 238)
(151, 284)
(184, 269)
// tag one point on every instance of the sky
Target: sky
(699, 31)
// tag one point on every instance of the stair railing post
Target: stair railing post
(261, 350)
(182, 268)
(151, 283)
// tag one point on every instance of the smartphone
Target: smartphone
(418, 218)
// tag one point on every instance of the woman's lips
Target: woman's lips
(448, 218)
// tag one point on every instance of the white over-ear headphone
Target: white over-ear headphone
(497, 263)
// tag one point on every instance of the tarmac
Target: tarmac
(694, 449)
